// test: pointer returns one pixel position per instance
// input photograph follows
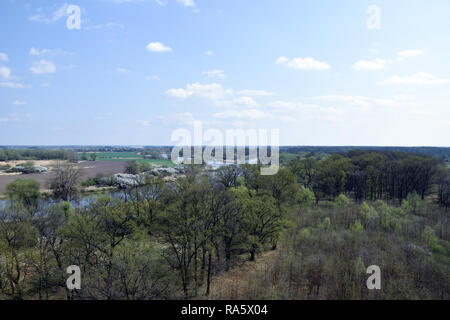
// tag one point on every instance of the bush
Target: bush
(94, 181)
(357, 227)
(432, 241)
(5, 167)
(341, 201)
(326, 224)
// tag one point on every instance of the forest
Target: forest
(325, 221)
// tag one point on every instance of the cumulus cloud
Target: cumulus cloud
(59, 13)
(162, 2)
(5, 72)
(4, 57)
(284, 106)
(179, 93)
(43, 67)
(181, 118)
(420, 78)
(187, 3)
(214, 73)
(19, 102)
(242, 114)
(376, 64)
(237, 102)
(36, 52)
(122, 70)
(43, 52)
(158, 47)
(212, 91)
(409, 53)
(143, 123)
(13, 85)
(303, 63)
(153, 78)
(14, 117)
(255, 93)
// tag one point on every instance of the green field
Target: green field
(128, 156)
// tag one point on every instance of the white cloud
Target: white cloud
(162, 2)
(187, 3)
(153, 78)
(376, 64)
(5, 72)
(214, 73)
(282, 106)
(19, 102)
(43, 52)
(43, 67)
(36, 52)
(179, 93)
(181, 118)
(242, 114)
(421, 78)
(3, 57)
(122, 70)
(209, 53)
(303, 63)
(158, 47)
(255, 93)
(143, 123)
(13, 85)
(238, 102)
(57, 14)
(409, 53)
(107, 26)
(212, 91)
(14, 117)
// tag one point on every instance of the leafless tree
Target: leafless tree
(64, 184)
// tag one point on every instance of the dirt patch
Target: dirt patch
(89, 170)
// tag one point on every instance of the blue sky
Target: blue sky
(137, 70)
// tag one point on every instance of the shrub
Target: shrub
(341, 201)
(432, 241)
(326, 224)
(357, 227)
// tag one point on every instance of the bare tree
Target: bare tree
(64, 184)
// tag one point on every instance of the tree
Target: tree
(228, 175)
(65, 182)
(262, 222)
(443, 183)
(305, 170)
(25, 191)
(17, 237)
(93, 156)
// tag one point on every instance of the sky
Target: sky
(333, 73)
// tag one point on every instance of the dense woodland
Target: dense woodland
(325, 220)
